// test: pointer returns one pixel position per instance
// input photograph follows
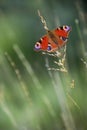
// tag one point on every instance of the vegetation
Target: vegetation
(42, 91)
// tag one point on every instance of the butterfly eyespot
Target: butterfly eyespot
(63, 38)
(49, 48)
(66, 28)
(37, 46)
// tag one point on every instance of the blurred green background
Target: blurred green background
(31, 97)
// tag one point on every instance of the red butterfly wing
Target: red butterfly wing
(63, 31)
(60, 32)
(42, 44)
(51, 45)
(45, 44)
(62, 35)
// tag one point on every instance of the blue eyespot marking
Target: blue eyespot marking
(49, 48)
(64, 38)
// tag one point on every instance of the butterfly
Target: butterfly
(54, 39)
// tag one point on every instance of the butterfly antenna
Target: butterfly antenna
(43, 21)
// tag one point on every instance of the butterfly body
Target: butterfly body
(53, 40)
